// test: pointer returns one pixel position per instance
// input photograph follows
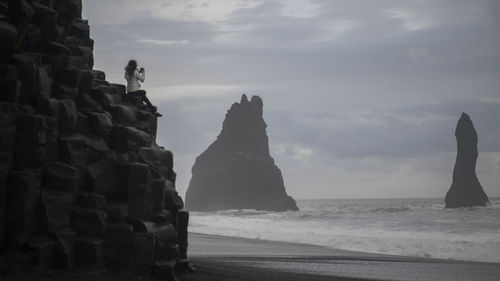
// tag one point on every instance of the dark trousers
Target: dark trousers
(142, 94)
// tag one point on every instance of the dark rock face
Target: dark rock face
(83, 183)
(237, 171)
(465, 190)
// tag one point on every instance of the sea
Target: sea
(408, 227)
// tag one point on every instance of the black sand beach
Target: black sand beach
(224, 258)
(230, 258)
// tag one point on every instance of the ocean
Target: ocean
(409, 227)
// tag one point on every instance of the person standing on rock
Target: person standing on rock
(134, 78)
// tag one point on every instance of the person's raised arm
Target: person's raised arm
(140, 75)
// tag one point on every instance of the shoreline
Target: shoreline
(226, 258)
(232, 258)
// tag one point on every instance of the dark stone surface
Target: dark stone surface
(465, 190)
(79, 166)
(8, 38)
(236, 171)
(56, 210)
(60, 176)
(89, 253)
(23, 191)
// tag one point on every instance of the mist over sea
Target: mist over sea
(409, 227)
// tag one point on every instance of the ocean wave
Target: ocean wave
(402, 227)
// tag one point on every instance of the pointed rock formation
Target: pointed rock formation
(465, 190)
(237, 171)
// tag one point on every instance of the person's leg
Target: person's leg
(150, 105)
(142, 94)
(139, 93)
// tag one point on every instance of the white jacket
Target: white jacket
(133, 83)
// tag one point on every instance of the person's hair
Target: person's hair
(131, 67)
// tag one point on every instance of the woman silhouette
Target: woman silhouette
(134, 78)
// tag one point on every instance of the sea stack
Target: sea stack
(237, 171)
(465, 190)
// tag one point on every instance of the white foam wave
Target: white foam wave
(402, 227)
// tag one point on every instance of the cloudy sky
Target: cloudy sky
(361, 98)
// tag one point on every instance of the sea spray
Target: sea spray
(409, 227)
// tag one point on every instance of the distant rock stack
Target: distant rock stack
(465, 190)
(82, 182)
(237, 171)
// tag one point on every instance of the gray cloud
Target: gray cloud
(361, 97)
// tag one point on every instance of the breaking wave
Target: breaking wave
(409, 227)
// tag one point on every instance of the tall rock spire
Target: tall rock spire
(237, 171)
(465, 190)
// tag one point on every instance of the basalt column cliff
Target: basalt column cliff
(82, 182)
(465, 190)
(237, 171)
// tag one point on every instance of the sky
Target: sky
(361, 98)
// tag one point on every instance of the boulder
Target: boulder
(42, 251)
(68, 115)
(119, 89)
(122, 114)
(65, 92)
(158, 187)
(162, 217)
(60, 176)
(100, 123)
(142, 254)
(165, 246)
(48, 106)
(32, 38)
(69, 77)
(73, 150)
(22, 196)
(88, 253)
(89, 222)
(44, 82)
(28, 74)
(101, 94)
(465, 190)
(8, 141)
(31, 130)
(11, 90)
(182, 232)
(57, 49)
(117, 212)
(117, 246)
(3, 202)
(173, 202)
(129, 138)
(102, 178)
(139, 191)
(45, 17)
(68, 10)
(85, 81)
(79, 28)
(92, 201)
(29, 157)
(8, 38)
(98, 75)
(64, 250)
(164, 270)
(56, 210)
(20, 14)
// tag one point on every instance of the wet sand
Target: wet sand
(220, 258)
(231, 258)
